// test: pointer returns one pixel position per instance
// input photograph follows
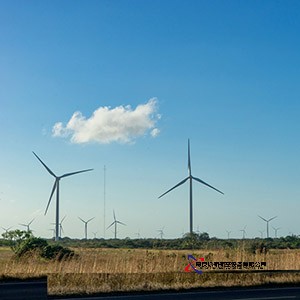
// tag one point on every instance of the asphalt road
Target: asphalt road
(24, 290)
(233, 294)
(30, 290)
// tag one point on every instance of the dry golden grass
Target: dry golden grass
(106, 270)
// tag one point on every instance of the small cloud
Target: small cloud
(155, 132)
(121, 124)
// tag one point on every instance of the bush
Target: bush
(24, 243)
(43, 249)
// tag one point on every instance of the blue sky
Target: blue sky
(223, 73)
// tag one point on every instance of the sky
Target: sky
(125, 84)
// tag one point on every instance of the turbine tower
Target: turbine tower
(190, 178)
(85, 225)
(267, 221)
(56, 187)
(27, 225)
(115, 222)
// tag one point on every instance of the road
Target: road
(27, 290)
(233, 294)
(30, 290)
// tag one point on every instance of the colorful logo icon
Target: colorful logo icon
(192, 264)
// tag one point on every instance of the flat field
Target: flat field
(96, 270)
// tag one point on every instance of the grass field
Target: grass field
(107, 270)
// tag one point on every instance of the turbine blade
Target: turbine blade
(114, 215)
(52, 192)
(272, 218)
(201, 181)
(174, 187)
(44, 165)
(121, 223)
(30, 222)
(110, 225)
(81, 219)
(263, 218)
(73, 173)
(62, 219)
(189, 158)
(90, 219)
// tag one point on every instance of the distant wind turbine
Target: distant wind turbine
(27, 225)
(228, 234)
(6, 229)
(115, 222)
(61, 230)
(261, 233)
(244, 231)
(161, 233)
(53, 232)
(138, 235)
(56, 187)
(190, 178)
(267, 221)
(85, 225)
(275, 230)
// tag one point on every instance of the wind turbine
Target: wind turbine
(276, 229)
(261, 233)
(161, 233)
(267, 221)
(53, 231)
(27, 225)
(85, 225)
(190, 178)
(138, 235)
(228, 234)
(6, 229)
(244, 231)
(61, 230)
(115, 222)
(56, 187)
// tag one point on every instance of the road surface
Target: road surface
(233, 294)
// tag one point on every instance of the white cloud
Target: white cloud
(120, 124)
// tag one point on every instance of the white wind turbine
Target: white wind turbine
(244, 231)
(190, 178)
(56, 187)
(161, 233)
(61, 230)
(27, 225)
(6, 229)
(85, 225)
(267, 221)
(275, 231)
(115, 222)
